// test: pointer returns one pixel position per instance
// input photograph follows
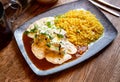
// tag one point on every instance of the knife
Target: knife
(108, 4)
(104, 8)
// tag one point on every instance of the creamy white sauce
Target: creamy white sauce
(58, 41)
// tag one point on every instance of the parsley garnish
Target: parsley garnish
(48, 45)
(36, 26)
(36, 35)
(34, 29)
(60, 36)
(48, 24)
(26, 32)
(50, 37)
(44, 33)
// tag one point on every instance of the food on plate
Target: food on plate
(61, 38)
(82, 26)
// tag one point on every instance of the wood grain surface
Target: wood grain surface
(104, 67)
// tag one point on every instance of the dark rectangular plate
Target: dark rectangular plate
(109, 35)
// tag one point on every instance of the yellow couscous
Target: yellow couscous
(82, 26)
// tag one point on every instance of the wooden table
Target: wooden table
(104, 67)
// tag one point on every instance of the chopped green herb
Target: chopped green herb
(44, 33)
(26, 32)
(34, 29)
(61, 42)
(36, 26)
(48, 24)
(50, 37)
(48, 45)
(35, 35)
(60, 30)
(60, 36)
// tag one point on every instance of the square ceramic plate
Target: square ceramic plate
(109, 35)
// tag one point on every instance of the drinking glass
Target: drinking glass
(5, 31)
(5, 23)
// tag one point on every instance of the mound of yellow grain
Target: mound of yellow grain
(82, 26)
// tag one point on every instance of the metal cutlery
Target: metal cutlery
(108, 4)
(104, 8)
